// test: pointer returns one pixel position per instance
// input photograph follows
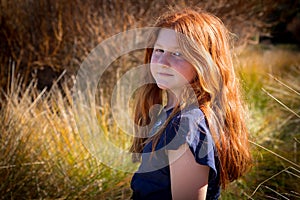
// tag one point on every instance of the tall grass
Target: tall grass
(43, 154)
(58, 35)
(271, 81)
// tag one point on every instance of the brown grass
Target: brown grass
(37, 35)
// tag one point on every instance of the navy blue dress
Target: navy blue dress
(152, 180)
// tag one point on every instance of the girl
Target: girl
(199, 140)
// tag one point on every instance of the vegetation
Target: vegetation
(44, 132)
(43, 156)
(270, 76)
(44, 38)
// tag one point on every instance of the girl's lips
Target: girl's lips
(165, 74)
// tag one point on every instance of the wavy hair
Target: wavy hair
(205, 42)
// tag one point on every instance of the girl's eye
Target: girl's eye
(177, 54)
(158, 50)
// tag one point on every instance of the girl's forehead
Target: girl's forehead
(167, 38)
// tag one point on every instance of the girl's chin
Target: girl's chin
(162, 86)
(167, 88)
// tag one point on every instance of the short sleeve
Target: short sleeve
(190, 127)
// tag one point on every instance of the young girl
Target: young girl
(198, 142)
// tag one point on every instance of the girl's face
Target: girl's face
(168, 66)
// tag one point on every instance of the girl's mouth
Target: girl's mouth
(165, 74)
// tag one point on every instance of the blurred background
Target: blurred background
(44, 42)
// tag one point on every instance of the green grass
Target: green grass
(44, 152)
(271, 81)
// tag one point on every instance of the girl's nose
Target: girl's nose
(164, 59)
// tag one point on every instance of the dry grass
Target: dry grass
(43, 150)
(45, 34)
(272, 90)
(42, 154)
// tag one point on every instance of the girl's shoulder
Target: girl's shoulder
(192, 114)
(189, 126)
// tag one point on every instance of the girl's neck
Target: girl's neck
(172, 100)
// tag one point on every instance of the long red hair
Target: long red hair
(206, 45)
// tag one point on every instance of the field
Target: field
(57, 145)
(271, 77)
(42, 142)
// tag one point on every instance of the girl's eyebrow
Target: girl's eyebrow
(174, 47)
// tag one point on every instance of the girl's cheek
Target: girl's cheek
(153, 59)
(177, 62)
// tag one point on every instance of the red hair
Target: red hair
(206, 45)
